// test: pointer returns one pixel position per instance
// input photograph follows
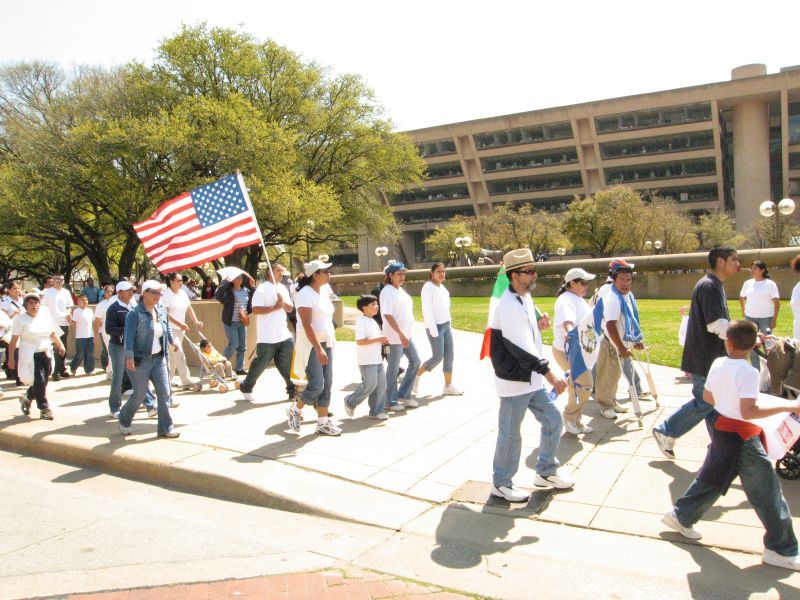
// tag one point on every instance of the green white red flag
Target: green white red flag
(500, 286)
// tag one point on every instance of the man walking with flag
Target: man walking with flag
(520, 372)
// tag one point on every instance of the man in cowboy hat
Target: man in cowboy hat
(520, 372)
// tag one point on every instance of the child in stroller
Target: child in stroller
(218, 363)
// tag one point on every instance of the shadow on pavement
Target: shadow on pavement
(464, 537)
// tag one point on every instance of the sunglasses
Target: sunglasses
(528, 271)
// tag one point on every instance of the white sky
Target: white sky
(441, 61)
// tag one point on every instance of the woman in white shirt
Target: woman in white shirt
(571, 309)
(36, 333)
(436, 315)
(178, 305)
(397, 312)
(314, 348)
(795, 300)
(760, 301)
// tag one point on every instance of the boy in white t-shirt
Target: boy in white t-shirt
(736, 449)
(82, 318)
(369, 340)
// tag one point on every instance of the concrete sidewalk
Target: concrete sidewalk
(390, 473)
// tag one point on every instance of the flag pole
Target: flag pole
(260, 235)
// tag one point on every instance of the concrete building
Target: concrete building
(728, 145)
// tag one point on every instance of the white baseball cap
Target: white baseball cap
(315, 265)
(578, 273)
(124, 286)
(152, 284)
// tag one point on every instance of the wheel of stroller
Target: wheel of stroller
(222, 388)
(213, 383)
(238, 384)
(788, 467)
(197, 387)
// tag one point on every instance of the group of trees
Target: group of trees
(85, 154)
(615, 220)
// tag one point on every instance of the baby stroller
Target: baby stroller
(783, 365)
(207, 372)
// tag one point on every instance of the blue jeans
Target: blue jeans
(690, 414)
(118, 372)
(237, 342)
(373, 384)
(763, 490)
(509, 439)
(150, 369)
(441, 347)
(763, 324)
(320, 380)
(396, 352)
(84, 352)
(265, 353)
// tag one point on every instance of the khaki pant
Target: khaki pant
(223, 369)
(575, 401)
(608, 374)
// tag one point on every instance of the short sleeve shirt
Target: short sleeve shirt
(397, 303)
(709, 304)
(59, 302)
(729, 380)
(321, 313)
(34, 332)
(612, 311)
(83, 318)
(569, 308)
(176, 303)
(11, 307)
(367, 329)
(758, 298)
(271, 328)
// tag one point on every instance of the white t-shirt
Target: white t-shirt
(571, 308)
(367, 329)
(759, 295)
(795, 304)
(176, 303)
(271, 328)
(612, 311)
(435, 306)
(397, 303)
(158, 333)
(35, 332)
(83, 322)
(5, 323)
(321, 315)
(11, 307)
(58, 302)
(100, 311)
(729, 380)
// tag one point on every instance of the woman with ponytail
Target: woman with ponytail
(760, 301)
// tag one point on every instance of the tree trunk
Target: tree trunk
(128, 257)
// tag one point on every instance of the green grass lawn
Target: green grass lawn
(660, 321)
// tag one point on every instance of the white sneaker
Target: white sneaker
(665, 444)
(396, 407)
(124, 430)
(247, 396)
(618, 408)
(572, 427)
(771, 557)
(115, 415)
(451, 390)
(410, 403)
(671, 520)
(380, 416)
(349, 410)
(508, 492)
(585, 428)
(609, 413)
(152, 412)
(326, 427)
(294, 418)
(553, 481)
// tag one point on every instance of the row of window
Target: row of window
(433, 215)
(531, 134)
(665, 170)
(529, 160)
(687, 193)
(436, 148)
(432, 194)
(535, 184)
(654, 117)
(794, 123)
(697, 140)
(439, 171)
(794, 160)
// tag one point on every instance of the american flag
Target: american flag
(207, 223)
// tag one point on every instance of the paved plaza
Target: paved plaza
(430, 465)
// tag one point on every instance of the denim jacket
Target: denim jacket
(138, 338)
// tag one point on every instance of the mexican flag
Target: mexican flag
(500, 286)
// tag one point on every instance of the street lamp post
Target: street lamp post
(653, 246)
(561, 252)
(380, 252)
(463, 243)
(768, 208)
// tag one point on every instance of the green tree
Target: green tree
(717, 229)
(525, 227)
(441, 243)
(595, 225)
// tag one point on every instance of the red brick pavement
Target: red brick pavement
(328, 585)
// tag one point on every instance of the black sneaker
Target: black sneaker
(46, 414)
(25, 405)
(65, 374)
(241, 372)
(56, 377)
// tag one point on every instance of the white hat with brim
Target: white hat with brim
(124, 286)
(312, 267)
(518, 258)
(152, 284)
(578, 273)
